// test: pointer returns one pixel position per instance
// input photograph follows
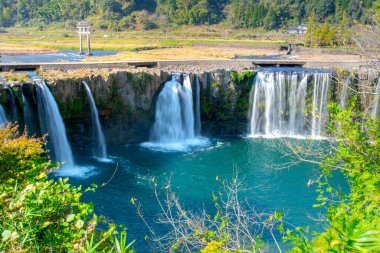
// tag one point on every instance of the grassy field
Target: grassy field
(187, 42)
(67, 38)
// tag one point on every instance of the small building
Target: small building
(299, 29)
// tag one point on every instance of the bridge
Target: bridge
(227, 64)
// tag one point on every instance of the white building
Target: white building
(300, 29)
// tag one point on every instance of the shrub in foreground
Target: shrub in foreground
(44, 215)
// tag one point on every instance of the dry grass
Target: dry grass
(197, 53)
(14, 48)
(18, 77)
(52, 75)
(329, 57)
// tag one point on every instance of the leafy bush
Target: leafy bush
(149, 24)
(43, 215)
(354, 218)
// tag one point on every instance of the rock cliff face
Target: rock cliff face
(126, 103)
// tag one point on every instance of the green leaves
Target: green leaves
(353, 217)
(41, 215)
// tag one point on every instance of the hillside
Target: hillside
(150, 14)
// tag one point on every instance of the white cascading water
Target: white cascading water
(344, 94)
(168, 126)
(321, 99)
(174, 126)
(297, 106)
(101, 150)
(3, 117)
(52, 123)
(375, 105)
(198, 124)
(278, 104)
(186, 98)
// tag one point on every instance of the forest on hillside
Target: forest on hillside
(151, 14)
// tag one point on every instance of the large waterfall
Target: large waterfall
(3, 117)
(101, 150)
(279, 102)
(174, 126)
(52, 123)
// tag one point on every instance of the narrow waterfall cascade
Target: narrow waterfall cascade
(101, 150)
(344, 93)
(29, 116)
(278, 104)
(12, 104)
(51, 122)
(375, 105)
(321, 99)
(3, 117)
(51, 119)
(174, 127)
(198, 121)
(186, 99)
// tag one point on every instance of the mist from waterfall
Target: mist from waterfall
(101, 149)
(174, 126)
(278, 104)
(3, 117)
(52, 123)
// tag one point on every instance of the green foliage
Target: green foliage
(42, 215)
(279, 13)
(191, 11)
(354, 219)
(327, 35)
(74, 106)
(119, 14)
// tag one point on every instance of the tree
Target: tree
(311, 29)
(270, 18)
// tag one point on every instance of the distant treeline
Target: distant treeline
(125, 14)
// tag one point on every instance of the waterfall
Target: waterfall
(344, 94)
(321, 99)
(270, 100)
(29, 118)
(198, 122)
(167, 127)
(174, 125)
(278, 102)
(12, 104)
(3, 117)
(168, 122)
(297, 106)
(375, 105)
(101, 150)
(52, 123)
(186, 98)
